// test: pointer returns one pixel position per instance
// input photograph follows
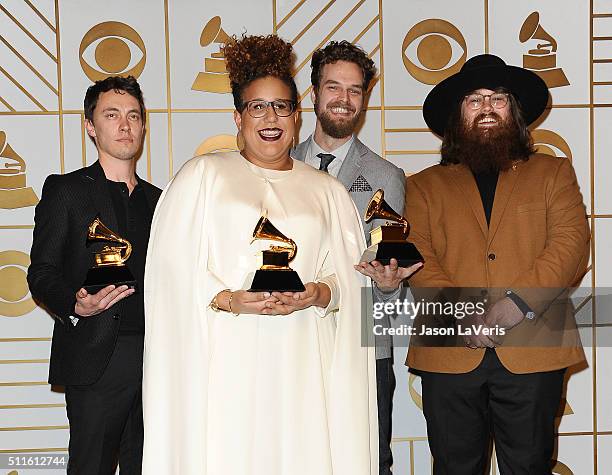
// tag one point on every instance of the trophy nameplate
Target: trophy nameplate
(275, 275)
(390, 240)
(109, 267)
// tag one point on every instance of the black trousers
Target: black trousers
(106, 417)
(465, 411)
(385, 386)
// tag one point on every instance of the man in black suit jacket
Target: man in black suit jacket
(98, 338)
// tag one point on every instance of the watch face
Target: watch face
(530, 315)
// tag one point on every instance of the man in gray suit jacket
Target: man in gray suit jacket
(341, 73)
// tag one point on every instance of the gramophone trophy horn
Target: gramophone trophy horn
(389, 240)
(275, 273)
(266, 230)
(378, 208)
(109, 267)
(110, 255)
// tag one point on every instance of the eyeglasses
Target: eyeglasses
(282, 107)
(498, 100)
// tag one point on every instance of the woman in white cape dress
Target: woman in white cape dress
(287, 391)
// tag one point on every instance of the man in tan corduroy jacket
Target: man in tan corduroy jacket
(498, 223)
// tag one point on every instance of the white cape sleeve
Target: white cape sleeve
(177, 291)
(353, 414)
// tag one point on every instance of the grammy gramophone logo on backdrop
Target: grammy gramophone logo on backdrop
(542, 59)
(215, 77)
(13, 190)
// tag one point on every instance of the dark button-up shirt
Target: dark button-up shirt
(487, 183)
(134, 221)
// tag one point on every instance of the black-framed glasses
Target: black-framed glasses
(498, 100)
(282, 107)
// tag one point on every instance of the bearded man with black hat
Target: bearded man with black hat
(496, 220)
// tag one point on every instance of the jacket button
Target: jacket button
(116, 316)
(484, 294)
(491, 257)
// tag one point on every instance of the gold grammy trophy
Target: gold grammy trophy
(215, 77)
(109, 268)
(13, 190)
(389, 241)
(275, 273)
(543, 59)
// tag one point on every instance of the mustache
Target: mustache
(484, 115)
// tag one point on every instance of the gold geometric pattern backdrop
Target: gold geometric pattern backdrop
(51, 50)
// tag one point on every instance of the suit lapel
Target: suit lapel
(465, 182)
(352, 164)
(96, 180)
(505, 186)
(300, 150)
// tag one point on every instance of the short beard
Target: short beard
(488, 150)
(333, 128)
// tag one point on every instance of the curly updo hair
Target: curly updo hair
(254, 57)
(341, 51)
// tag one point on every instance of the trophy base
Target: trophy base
(100, 277)
(389, 232)
(276, 280)
(405, 252)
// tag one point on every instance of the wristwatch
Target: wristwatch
(520, 303)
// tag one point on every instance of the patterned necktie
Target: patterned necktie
(326, 159)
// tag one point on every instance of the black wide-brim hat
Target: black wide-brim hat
(485, 71)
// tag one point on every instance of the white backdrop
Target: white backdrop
(50, 50)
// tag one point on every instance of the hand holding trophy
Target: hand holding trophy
(390, 240)
(275, 273)
(109, 267)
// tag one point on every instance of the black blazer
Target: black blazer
(59, 264)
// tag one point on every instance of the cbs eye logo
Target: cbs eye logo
(112, 53)
(217, 143)
(549, 142)
(414, 394)
(561, 469)
(14, 292)
(434, 51)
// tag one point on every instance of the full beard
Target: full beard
(488, 150)
(337, 129)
